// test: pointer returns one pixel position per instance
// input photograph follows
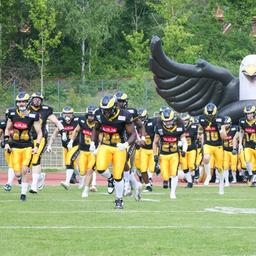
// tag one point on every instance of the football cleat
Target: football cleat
(7, 187)
(41, 182)
(172, 195)
(64, 185)
(23, 198)
(32, 191)
(170, 183)
(137, 194)
(85, 192)
(165, 184)
(189, 185)
(119, 204)
(207, 180)
(93, 189)
(111, 186)
(148, 189)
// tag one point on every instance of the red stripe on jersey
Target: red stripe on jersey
(169, 139)
(210, 128)
(69, 128)
(20, 125)
(87, 132)
(250, 130)
(109, 129)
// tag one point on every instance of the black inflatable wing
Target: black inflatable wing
(188, 88)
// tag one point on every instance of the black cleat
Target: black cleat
(23, 198)
(148, 189)
(253, 185)
(189, 185)
(111, 186)
(170, 182)
(19, 180)
(165, 184)
(7, 187)
(119, 204)
(32, 191)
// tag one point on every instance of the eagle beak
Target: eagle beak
(250, 71)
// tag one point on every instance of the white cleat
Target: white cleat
(127, 189)
(64, 185)
(93, 189)
(221, 190)
(41, 182)
(172, 196)
(227, 184)
(233, 181)
(217, 181)
(207, 180)
(80, 186)
(137, 194)
(85, 193)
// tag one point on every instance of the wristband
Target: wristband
(6, 138)
(37, 145)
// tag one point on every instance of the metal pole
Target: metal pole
(58, 85)
(14, 91)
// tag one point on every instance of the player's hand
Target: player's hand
(34, 150)
(234, 151)
(92, 147)
(7, 148)
(122, 146)
(64, 136)
(156, 158)
(70, 144)
(49, 149)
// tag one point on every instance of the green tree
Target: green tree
(43, 20)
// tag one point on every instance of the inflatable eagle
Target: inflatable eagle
(188, 88)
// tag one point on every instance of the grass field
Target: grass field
(58, 222)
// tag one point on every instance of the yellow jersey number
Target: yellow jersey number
(167, 147)
(113, 139)
(250, 137)
(17, 135)
(212, 136)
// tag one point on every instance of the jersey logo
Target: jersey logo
(20, 125)
(131, 110)
(149, 124)
(121, 118)
(193, 126)
(233, 129)
(87, 132)
(69, 128)
(12, 113)
(169, 139)
(82, 121)
(218, 120)
(250, 130)
(210, 128)
(179, 129)
(45, 107)
(109, 129)
(32, 115)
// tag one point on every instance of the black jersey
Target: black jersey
(134, 113)
(69, 129)
(2, 125)
(22, 126)
(191, 135)
(44, 112)
(150, 125)
(113, 129)
(85, 134)
(169, 138)
(228, 142)
(249, 129)
(211, 130)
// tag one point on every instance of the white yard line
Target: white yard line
(201, 227)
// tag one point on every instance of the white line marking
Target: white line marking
(150, 200)
(231, 210)
(128, 227)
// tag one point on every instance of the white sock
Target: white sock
(24, 188)
(106, 174)
(69, 173)
(174, 184)
(201, 170)
(234, 176)
(35, 178)
(221, 184)
(11, 176)
(150, 175)
(249, 168)
(133, 181)
(207, 168)
(119, 188)
(126, 176)
(188, 177)
(94, 179)
(81, 180)
(217, 174)
(225, 175)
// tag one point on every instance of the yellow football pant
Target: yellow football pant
(250, 156)
(106, 155)
(241, 164)
(230, 161)
(189, 161)
(70, 155)
(199, 156)
(21, 157)
(36, 158)
(137, 159)
(8, 159)
(169, 165)
(147, 160)
(216, 154)
(86, 161)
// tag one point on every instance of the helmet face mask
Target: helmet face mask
(90, 112)
(122, 100)
(143, 115)
(169, 118)
(227, 121)
(250, 111)
(108, 106)
(108, 113)
(36, 102)
(210, 111)
(22, 101)
(169, 124)
(123, 104)
(186, 118)
(67, 113)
